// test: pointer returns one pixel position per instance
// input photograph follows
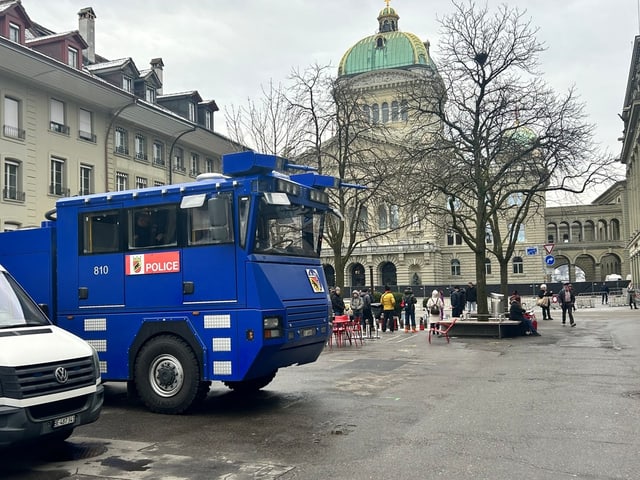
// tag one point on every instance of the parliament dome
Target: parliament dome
(387, 49)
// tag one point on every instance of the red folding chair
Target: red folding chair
(436, 329)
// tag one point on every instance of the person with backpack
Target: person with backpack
(410, 301)
(435, 307)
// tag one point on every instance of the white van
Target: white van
(49, 379)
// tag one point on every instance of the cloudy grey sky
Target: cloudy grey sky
(227, 49)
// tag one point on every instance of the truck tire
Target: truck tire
(167, 375)
(253, 385)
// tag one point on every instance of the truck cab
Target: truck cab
(50, 379)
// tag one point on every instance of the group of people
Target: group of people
(359, 306)
(566, 298)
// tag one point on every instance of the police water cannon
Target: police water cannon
(214, 262)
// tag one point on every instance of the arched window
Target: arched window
(388, 273)
(404, 111)
(362, 223)
(366, 112)
(375, 113)
(383, 220)
(394, 213)
(455, 267)
(394, 111)
(518, 266)
(357, 275)
(489, 234)
(614, 231)
(520, 234)
(385, 112)
(329, 274)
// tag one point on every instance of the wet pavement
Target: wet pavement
(563, 405)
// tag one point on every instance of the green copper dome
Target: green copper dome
(389, 48)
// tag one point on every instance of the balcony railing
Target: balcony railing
(13, 132)
(159, 162)
(58, 190)
(122, 150)
(90, 137)
(9, 193)
(142, 157)
(59, 128)
(179, 168)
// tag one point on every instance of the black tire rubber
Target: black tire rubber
(253, 385)
(167, 376)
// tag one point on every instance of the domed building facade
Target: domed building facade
(380, 67)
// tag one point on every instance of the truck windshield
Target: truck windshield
(16, 308)
(288, 230)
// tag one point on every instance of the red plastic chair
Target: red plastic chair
(437, 330)
(340, 330)
(354, 330)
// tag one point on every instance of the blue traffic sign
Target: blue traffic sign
(532, 251)
(549, 260)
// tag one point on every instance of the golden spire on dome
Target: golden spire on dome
(387, 2)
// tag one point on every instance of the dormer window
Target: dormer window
(72, 57)
(14, 32)
(127, 83)
(208, 120)
(192, 112)
(380, 42)
(150, 94)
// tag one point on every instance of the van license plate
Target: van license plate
(61, 422)
(307, 332)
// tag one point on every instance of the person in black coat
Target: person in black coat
(337, 303)
(457, 302)
(472, 298)
(516, 312)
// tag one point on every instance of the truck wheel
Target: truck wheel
(253, 385)
(167, 375)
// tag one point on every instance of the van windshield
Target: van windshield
(16, 307)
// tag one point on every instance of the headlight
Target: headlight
(96, 365)
(271, 322)
(272, 327)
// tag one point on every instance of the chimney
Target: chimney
(156, 66)
(87, 28)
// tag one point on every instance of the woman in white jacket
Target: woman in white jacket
(435, 307)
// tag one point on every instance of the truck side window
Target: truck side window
(211, 223)
(152, 227)
(101, 231)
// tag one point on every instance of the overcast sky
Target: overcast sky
(227, 49)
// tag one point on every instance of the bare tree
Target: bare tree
(269, 125)
(499, 137)
(342, 141)
(318, 120)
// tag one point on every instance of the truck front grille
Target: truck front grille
(36, 380)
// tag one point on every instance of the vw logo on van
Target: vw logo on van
(62, 376)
